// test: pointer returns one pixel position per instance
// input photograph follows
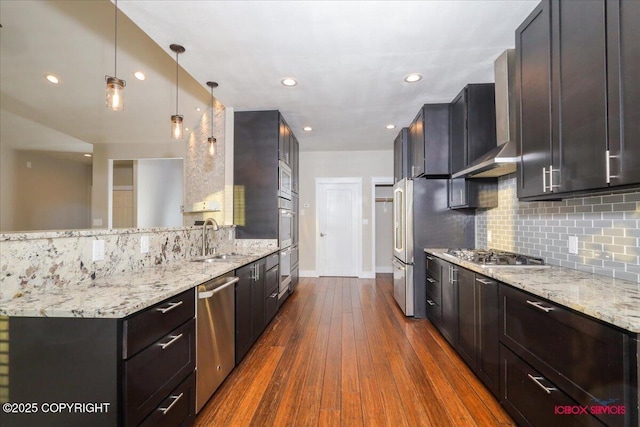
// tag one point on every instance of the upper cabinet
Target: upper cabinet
(429, 142)
(472, 134)
(623, 49)
(577, 102)
(401, 155)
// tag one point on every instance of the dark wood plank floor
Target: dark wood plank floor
(340, 352)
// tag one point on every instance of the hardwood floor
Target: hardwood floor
(341, 353)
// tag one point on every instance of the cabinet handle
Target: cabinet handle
(172, 305)
(544, 180)
(430, 280)
(413, 170)
(431, 303)
(551, 184)
(168, 408)
(536, 380)
(485, 281)
(539, 306)
(430, 258)
(453, 275)
(274, 295)
(173, 339)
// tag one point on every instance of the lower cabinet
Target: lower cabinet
(250, 306)
(126, 372)
(568, 359)
(271, 286)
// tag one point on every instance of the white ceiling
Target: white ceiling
(350, 58)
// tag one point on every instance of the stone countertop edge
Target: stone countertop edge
(121, 295)
(613, 301)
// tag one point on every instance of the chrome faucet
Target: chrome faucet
(214, 224)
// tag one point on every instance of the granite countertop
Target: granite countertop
(118, 296)
(613, 301)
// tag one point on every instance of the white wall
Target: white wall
(384, 229)
(7, 162)
(158, 205)
(334, 164)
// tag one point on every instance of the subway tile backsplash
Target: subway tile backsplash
(607, 228)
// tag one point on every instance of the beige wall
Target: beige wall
(7, 162)
(52, 194)
(336, 164)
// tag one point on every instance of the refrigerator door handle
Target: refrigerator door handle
(397, 264)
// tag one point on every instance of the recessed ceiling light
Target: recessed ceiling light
(186, 129)
(198, 109)
(88, 155)
(412, 78)
(139, 75)
(307, 128)
(53, 79)
(390, 126)
(288, 82)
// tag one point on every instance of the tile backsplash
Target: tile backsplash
(607, 227)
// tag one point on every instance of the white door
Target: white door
(339, 212)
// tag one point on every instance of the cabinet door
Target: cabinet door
(458, 133)
(449, 307)
(243, 311)
(258, 319)
(416, 138)
(467, 313)
(488, 342)
(533, 100)
(284, 142)
(623, 37)
(398, 163)
(457, 193)
(579, 93)
(295, 163)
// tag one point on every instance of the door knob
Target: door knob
(322, 234)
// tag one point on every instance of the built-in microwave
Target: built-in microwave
(285, 180)
(286, 223)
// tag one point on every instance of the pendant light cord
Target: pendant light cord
(211, 118)
(115, 47)
(177, 74)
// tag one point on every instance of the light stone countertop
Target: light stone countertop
(121, 295)
(614, 301)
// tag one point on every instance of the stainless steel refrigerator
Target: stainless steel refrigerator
(422, 219)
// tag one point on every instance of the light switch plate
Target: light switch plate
(98, 250)
(144, 244)
(573, 245)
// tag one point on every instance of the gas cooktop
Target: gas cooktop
(493, 257)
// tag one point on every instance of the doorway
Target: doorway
(338, 227)
(382, 224)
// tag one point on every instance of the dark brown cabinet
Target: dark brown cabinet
(472, 134)
(429, 142)
(442, 297)
(568, 354)
(467, 316)
(140, 368)
(250, 306)
(577, 104)
(401, 155)
(295, 164)
(272, 279)
(623, 61)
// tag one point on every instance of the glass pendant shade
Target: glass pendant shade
(177, 129)
(212, 146)
(115, 93)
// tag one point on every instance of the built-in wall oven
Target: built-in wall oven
(285, 240)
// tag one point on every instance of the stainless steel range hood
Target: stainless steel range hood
(502, 159)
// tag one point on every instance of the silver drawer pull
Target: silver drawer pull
(173, 339)
(430, 280)
(172, 305)
(485, 281)
(539, 384)
(430, 302)
(539, 306)
(430, 258)
(168, 408)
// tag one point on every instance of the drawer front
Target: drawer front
(587, 359)
(434, 288)
(154, 372)
(178, 409)
(273, 260)
(272, 281)
(271, 305)
(433, 265)
(149, 325)
(434, 313)
(533, 400)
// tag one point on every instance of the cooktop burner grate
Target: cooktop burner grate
(494, 257)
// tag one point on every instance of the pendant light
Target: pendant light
(115, 86)
(176, 119)
(211, 140)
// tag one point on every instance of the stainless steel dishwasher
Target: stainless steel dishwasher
(215, 335)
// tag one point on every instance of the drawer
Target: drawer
(273, 260)
(434, 289)
(555, 340)
(433, 265)
(533, 400)
(434, 313)
(178, 409)
(271, 304)
(272, 280)
(149, 325)
(150, 376)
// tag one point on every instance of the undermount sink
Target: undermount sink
(220, 257)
